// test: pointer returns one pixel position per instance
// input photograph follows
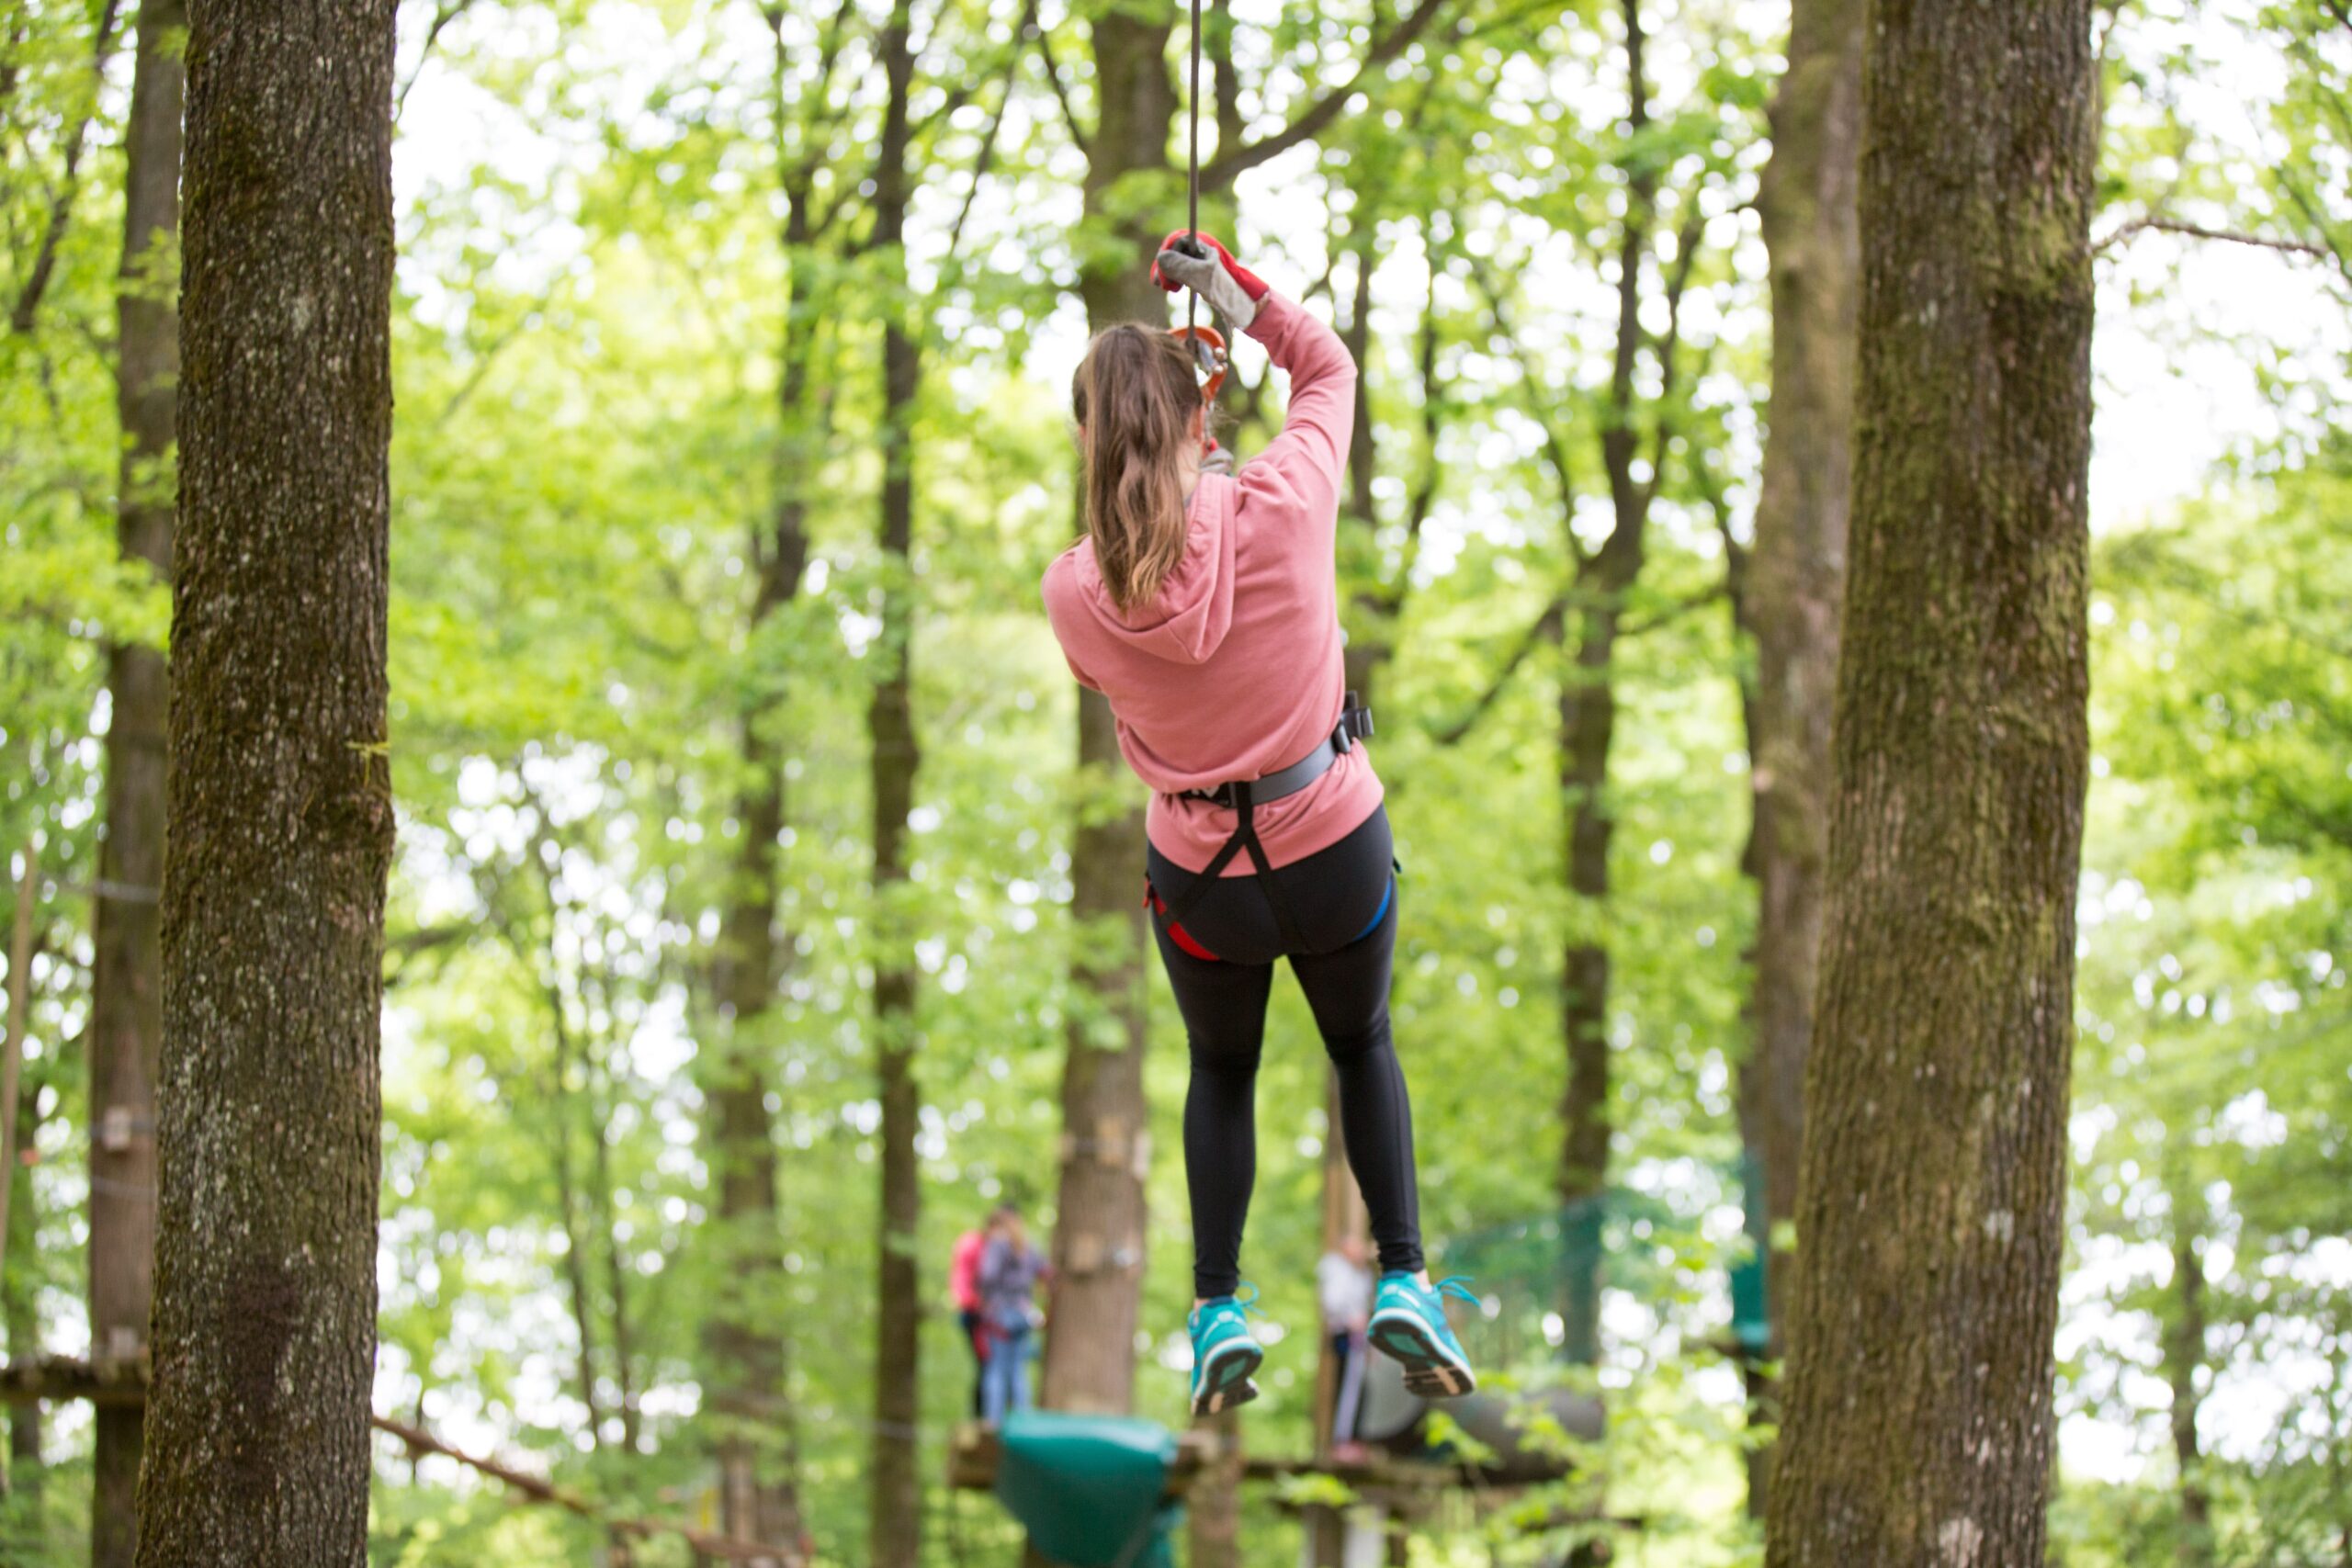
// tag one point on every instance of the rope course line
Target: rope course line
(1192, 176)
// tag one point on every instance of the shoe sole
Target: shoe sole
(1431, 1372)
(1228, 1384)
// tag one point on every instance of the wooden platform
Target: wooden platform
(973, 1456)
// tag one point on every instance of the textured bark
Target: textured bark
(2184, 1357)
(1098, 1230)
(126, 993)
(1930, 1230)
(895, 1539)
(1788, 600)
(279, 797)
(1213, 1512)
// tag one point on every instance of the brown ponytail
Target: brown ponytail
(1135, 396)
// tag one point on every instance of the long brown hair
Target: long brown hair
(1135, 396)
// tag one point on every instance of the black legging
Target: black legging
(1343, 900)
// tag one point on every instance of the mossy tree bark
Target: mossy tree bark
(279, 797)
(126, 990)
(1930, 1211)
(895, 1493)
(1791, 582)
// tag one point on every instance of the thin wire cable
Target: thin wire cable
(1192, 179)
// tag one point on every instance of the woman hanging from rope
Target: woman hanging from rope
(1204, 605)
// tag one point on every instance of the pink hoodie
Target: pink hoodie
(1233, 672)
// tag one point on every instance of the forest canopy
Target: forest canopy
(763, 892)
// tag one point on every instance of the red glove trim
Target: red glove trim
(1251, 284)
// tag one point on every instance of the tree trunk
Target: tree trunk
(1588, 726)
(1930, 1215)
(747, 1355)
(1587, 719)
(126, 1001)
(2184, 1357)
(1105, 1152)
(16, 1020)
(279, 797)
(1213, 1512)
(19, 1221)
(1789, 600)
(896, 1532)
(18, 1288)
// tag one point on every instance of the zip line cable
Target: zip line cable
(1192, 176)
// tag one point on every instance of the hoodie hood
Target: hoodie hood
(1186, 621)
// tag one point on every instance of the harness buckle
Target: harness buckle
(1355, 723)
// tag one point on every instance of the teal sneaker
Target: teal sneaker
(1224, 1354)
(1409, 1326)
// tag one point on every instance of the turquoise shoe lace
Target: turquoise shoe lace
(1458, 1287)
(1453, 1286)
(1213, 1310)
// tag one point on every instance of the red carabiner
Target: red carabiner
(1208, 351)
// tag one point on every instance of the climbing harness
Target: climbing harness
(1241, 796)
(1244, 796)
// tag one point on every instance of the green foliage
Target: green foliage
(629, 231)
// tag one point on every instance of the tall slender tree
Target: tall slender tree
(1930, 1209)
(895, 1539)
(1785, 594)
(279, 796)
(126, 996)
(1585, 621)
(745, 1340)
(1098, 1244)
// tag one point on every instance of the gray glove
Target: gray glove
(1230, 289)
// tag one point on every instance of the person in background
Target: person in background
(1343, 1286)
(964, 1285)
(1010, 1270)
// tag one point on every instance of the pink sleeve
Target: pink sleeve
(1054, 590)
(1305, 466)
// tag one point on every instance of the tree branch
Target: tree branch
(61, 205)
(1669, 343)
(1221, 171)
(1546, 628)
(1632, 627)
(444, 13)
(980, 160)
(800, 174)
(1555, 447)
(2199, 231)
(1078, 137)
(417, 1440)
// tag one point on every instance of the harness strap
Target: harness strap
(1243, 797)
(1244, 837)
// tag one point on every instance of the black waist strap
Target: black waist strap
(1356, 723)
(1245, 795)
